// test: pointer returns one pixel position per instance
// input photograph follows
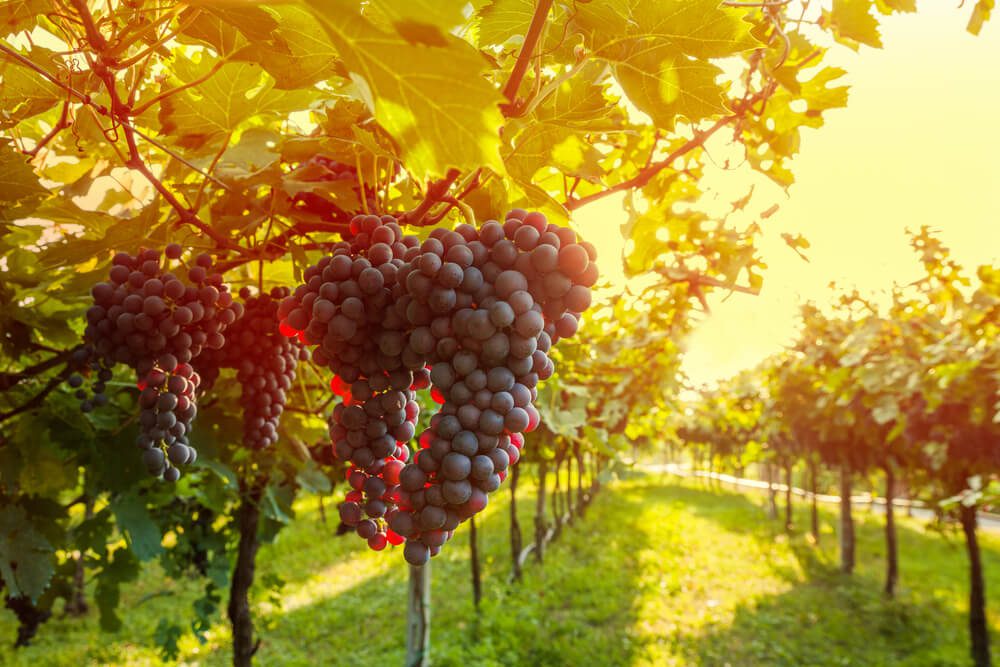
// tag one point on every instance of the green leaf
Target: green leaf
(665, 86)
(584, 103)
(122, 567)
(886, 411)
(432, 100)
(853, 24)
(18, 15)
(17, 178)
(134, 521)
(24, 94)
(223, 471)
(422, 21)
(659, 50)
(894, 6)
(541, 146)
(301, 55)
(503, 20)
(313, 480)
(26, 563)
(980, 15)
(233, 94)
(228, 29)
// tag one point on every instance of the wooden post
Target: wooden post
(541, 525)
(978, 626)
(815, 510)
(477, 585)
(788, 496)
(515, 526)
(240, 616)
(418, 617)
(846, 522)
(772, 493)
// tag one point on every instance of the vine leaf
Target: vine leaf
(25, 555)
(235, 93)
(853, 24)
(17, 179)
(432, 100)
(23, 94)
(504, 20)
(122, 566)
(301, 54)
(660, 51)
(18, 15)
(134, 521)
(423, 21)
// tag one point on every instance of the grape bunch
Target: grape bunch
(167, 403)
(82, 360)
(151, 320)
(485, 307)
(265, 363)
(344, 309)
(481, 308)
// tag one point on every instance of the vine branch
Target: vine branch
(524, 56)
(436, 192)
(652, 169)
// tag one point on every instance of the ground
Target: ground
(659, 572)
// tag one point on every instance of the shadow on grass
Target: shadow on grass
(829, 618)
(831, 622)
(575, 609)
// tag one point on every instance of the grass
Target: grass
(660, 572)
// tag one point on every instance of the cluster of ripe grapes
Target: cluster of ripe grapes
(265, 363)
(149, 318)
(481, 308)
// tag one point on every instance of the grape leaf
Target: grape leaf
(583, 103)
(422, 21)
(134, 521)
(853, 24)
(666, 86)
(503, 20)
(893, 6)
(25, 555)
(17, 178)
(235, 93)
(660, 49)
(980, 15)
(301, 54)
(121, 567)
(23, 94)
(541, 145)
(227, 29)
(17, 15)
(432, 100)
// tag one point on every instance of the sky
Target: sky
(918, 144)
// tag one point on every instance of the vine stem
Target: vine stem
(83, 97)
(119, 114)
(436, 191)
(527, 49)
(644, 176)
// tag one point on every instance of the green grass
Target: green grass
(659, 572)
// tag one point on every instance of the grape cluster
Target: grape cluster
(167, 403)
(83, 360)
(481, 308)
(265, 363)
(344, 309)
(151, 320)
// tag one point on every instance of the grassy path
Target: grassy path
(660, 572)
